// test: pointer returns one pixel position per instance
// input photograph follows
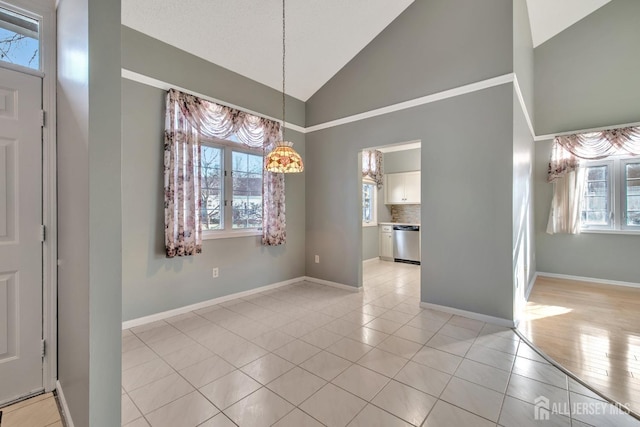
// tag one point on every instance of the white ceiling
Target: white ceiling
(245, 36)
(551, 17)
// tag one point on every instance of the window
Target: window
(231, 190)
(596, 202)
(246, 173)
(611, 199)
(369, 203)
(631, 193)
(19, 40)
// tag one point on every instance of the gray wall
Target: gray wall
(370, 242)
(523, 54)
(466, 241)
(432, 46)
(151, 282)
(587, 76)
(151, 57)
(89, 210)
(600, 256)
(524, 261)
(402, 161)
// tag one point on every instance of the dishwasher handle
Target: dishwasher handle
(406, 227)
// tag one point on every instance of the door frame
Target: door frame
(45, 12)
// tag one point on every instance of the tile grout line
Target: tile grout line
(504, 395)
(452, 375)
(339, 311)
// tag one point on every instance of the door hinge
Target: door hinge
(42, 117)
(43, 348)
(43, 232)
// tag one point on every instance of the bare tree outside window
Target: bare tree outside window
(19, 40)
(211, 188)
(247, 190)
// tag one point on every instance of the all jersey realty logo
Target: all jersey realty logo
(543, 408)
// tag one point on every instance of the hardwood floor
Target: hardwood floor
(38, 411)
(593, 330)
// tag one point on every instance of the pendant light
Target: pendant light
(283, 158)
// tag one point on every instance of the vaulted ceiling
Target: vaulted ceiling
(551, 17)
(245, 36)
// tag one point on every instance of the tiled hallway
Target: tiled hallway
(313, 355)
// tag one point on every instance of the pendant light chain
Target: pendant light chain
(283, 68)
(283, 158)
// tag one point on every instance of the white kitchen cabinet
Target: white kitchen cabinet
(402, 188)
(386, 242)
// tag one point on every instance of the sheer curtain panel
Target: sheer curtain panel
(372, 166)
(183, 231)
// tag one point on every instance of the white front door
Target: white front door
(20, 245)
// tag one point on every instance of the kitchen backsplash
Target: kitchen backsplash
(405, 213)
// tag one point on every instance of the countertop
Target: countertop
(397, 223)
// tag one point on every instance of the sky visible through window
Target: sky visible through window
(19, 42)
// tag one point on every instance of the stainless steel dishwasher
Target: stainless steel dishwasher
(406, 243)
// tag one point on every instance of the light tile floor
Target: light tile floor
(313, 355)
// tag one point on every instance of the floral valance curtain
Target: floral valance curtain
(372, 166)
(569, 149)
(568, 178)
(187, 119)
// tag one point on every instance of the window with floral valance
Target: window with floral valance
(188, 118)
(567, 171)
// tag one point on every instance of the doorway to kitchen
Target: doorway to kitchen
(390, 213)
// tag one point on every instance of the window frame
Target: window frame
(611, 185)
(228, 147)
(374, 203)
(623, 194)
(17, 9)
(617, 195)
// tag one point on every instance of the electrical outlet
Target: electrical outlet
(215, 272)
(317, 259)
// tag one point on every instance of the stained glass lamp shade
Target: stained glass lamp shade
(284, 159)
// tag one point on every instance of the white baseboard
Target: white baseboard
(182, 310)
(588, 279)
(366, 261)
(527, 291)
(470, 314)
(333, 284)
(65, 408)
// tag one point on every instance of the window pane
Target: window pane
(633, 170)
(595, 201)
(212, 188)
(247, 190)
(632, 178)
(367, 203)
(597, 188)
(19, 40)
(596, 174)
